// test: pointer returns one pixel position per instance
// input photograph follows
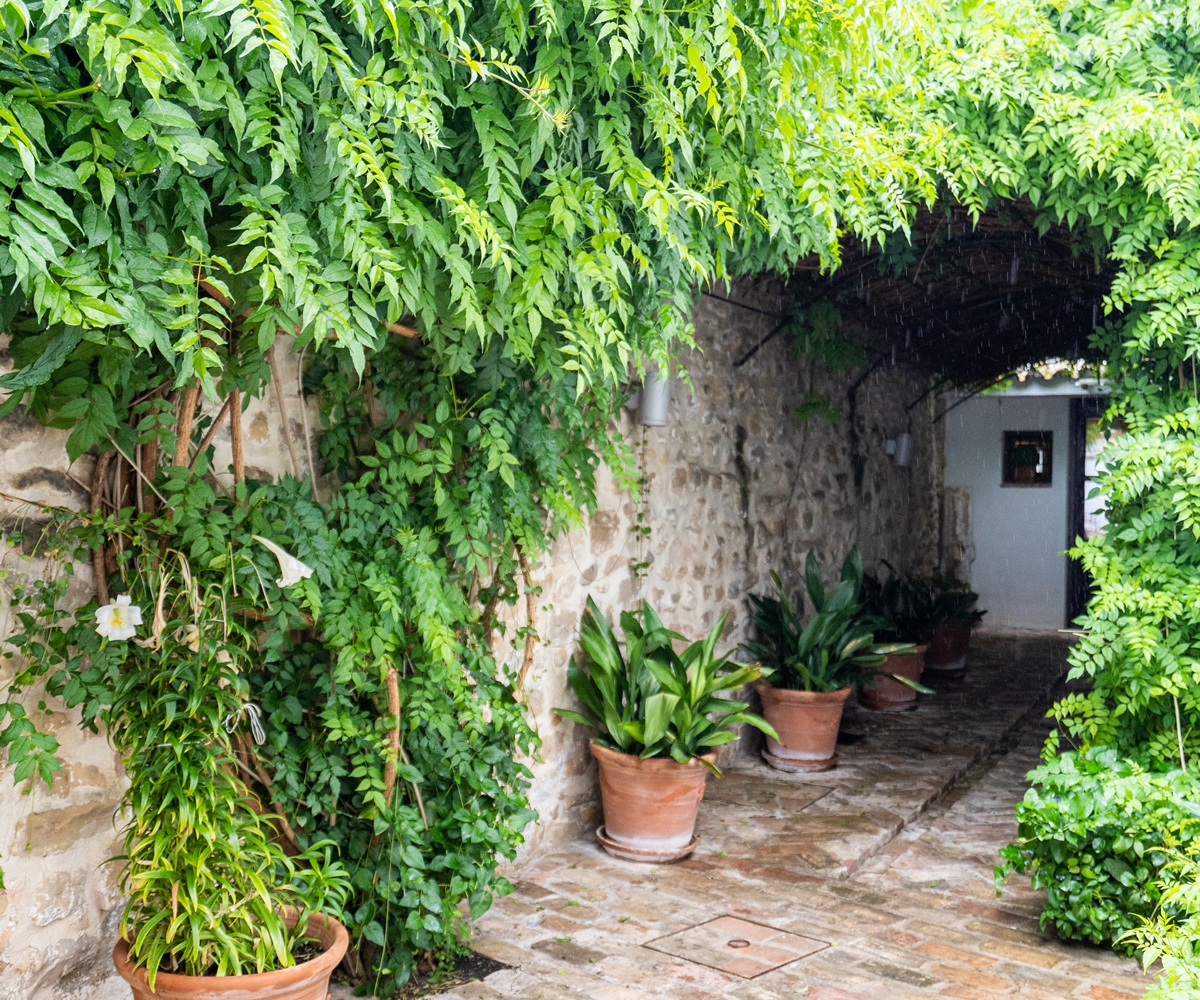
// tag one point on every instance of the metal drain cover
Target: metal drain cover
(737, 947)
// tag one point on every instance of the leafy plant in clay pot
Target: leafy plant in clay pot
(933, 612)
(215, 904)
(903, 612)
(955, 614)
(813, 666)
(658, 719)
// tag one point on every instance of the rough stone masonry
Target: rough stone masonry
(737, 487)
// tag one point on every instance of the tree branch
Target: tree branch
(242, 748)
(183, 426)
(235, 436)
(396, 748)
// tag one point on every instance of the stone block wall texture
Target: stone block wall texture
(737, 487)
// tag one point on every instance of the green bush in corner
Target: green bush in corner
(1091, 832)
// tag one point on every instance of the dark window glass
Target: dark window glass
(1028, 457)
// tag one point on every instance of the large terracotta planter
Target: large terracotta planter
(807, 723)
(305, 981)
(650, 806)
(947, 654)
(884, 694)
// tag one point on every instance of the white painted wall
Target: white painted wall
(1019, 532)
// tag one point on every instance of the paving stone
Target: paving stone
(960, 992)
(970, 976)
(566, 950)
(935, 949)
(895, 972)
(1042, 957)
(1104, 993)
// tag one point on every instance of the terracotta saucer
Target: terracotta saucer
(799, 766)
(638, 854)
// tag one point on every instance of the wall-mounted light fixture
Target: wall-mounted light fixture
(654, 401)
(904, 450)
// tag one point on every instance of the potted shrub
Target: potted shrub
(954, 615)
(658, 720)
(215, 906)
(812, 667)
(901, 609)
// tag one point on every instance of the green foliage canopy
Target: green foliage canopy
(181, 180)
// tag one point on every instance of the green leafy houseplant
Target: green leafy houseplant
(1093, 832)
(650, 700)
(905, 608)
(954, 603)
(164, 668)
(835, 649)
(420, 792)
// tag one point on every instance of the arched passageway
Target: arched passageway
(979, 305)
(875, 880)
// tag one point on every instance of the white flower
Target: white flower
(119, 620)
(291, 568)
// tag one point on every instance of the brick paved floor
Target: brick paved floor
(884, 865)
(885, 862)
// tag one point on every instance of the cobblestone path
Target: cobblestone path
(879, 875)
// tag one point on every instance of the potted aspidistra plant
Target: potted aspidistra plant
(902, 611)
(658, 717)
(813, 667)
(955, 614)
(215, 905)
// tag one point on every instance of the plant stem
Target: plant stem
(235, 437)
(530, 626)
(397, 748)
(312, 467)
(99, 569)
(137, 469)
(212, 429)
(1179, 735)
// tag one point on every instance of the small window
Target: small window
(1028, 457)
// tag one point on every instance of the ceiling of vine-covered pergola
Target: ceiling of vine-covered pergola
(966, 300)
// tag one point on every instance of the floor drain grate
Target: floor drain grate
(737, 947)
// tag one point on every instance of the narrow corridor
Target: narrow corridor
(879, 873)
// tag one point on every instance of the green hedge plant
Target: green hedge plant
(1093, 832)
(1170, 936)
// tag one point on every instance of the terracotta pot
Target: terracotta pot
(948, 648)
(807, 723)
(887, 695)
(305, 981)
(650, 806)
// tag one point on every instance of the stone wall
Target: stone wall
(737, 487)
